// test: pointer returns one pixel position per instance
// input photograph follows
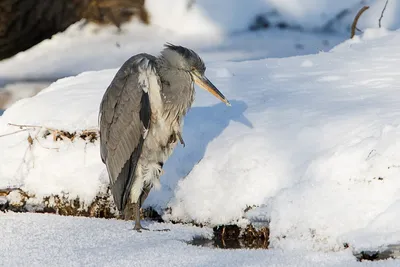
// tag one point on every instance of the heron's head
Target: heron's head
(187, 60)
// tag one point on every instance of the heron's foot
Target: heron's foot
(139, 228)
(181, 139)
(163, 230)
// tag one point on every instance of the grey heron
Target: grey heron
(141, 120)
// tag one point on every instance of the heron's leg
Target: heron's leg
(143, 198)
(128, 211)
(136, 209)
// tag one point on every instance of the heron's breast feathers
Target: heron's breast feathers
(149, 82)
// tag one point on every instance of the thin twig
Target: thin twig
(383, 11)
(29, 126)
(370, 153)
(91, 130)
(22, 125)
(22, 162)
(45, 147)
(354, 25)
(23, 130)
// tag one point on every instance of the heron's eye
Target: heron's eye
(193, 69)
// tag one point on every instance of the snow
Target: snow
(207, 16)
(43, 168)
(19, 90)
(310, 13)
(311, 140)
(91, 48)
(3, 200)
(205, 27)
(50, 240)
(181, 18)
(390, 19)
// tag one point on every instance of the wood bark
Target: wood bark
(25, 23)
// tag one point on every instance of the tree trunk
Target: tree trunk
(25, 23)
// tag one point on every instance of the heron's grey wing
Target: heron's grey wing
(124, 120)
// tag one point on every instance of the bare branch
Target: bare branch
(383, 11)
(7, 190)
(45, 147)
(23, 130)
(354, 25)
(29, 126)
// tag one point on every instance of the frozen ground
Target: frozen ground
(50, 240)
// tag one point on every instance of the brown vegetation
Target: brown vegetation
(357, 17)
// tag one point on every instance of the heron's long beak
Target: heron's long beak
(203, 82)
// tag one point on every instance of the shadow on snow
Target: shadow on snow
(202, 125)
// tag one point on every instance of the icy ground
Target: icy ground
(51, 240)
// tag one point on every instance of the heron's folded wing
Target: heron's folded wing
(124, 119)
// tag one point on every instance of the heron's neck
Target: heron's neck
(177, 90)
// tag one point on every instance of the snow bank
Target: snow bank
(48, 167)
(312, 140)
(321, 155)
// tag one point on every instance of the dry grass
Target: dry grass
(20, 201)
(102, 206)
(89, 135)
